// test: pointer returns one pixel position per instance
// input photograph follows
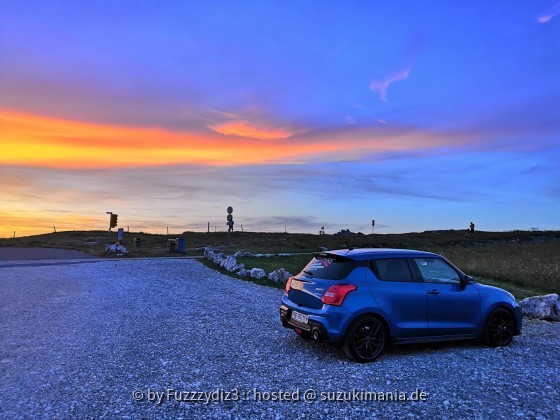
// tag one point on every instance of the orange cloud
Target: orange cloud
(32, 140)
(248, 130)
(43, 141)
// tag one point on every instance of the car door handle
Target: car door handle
(433, 292)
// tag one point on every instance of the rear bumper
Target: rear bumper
(329, 321)
(315, 328)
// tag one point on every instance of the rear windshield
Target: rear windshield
(329, 267)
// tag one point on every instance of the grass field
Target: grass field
(525, 263)
(534, 265)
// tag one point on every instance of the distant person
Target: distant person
(472, 227)
(467, 233)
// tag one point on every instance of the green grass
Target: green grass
(294, 264)
(519, 292)
(533, 266)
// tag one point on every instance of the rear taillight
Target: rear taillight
(288, 284)
(336, 294)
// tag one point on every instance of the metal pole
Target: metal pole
(109, 232)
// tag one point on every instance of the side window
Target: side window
(435, 270)
(394, 269)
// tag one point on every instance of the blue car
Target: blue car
(366, 298)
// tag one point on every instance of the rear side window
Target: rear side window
(435, 270)
(329, 267)
(393, 269)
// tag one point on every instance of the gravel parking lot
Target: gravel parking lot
(130, 338)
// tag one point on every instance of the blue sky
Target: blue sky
(299, 114)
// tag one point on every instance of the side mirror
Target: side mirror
(465, 280)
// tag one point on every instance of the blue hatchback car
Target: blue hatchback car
(365, 298)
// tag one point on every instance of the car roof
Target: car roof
(360, 254)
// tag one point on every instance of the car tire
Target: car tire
(365, 339)
(499, 328)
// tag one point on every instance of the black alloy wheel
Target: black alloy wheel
(499, 329)
(365, 339)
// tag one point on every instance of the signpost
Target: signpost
(229, 222)
(113, 218)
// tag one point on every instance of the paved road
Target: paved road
(24, 254)
(81, 340)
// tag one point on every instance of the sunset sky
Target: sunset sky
(298, 114)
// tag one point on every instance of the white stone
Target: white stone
(121, 249)
(237, 268)
(280, 276)
(229, 263)
(258, 273)
(542, 307)
(111, 248)
(218, 258)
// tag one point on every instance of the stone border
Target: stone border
(229, 263)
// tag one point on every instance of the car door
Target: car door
(400, 297)
(453, 307)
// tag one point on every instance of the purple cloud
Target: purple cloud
(381, 86)
(550, 14)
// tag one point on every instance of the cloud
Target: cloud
(249, 130)
(550, 14)
(36, 140)
(407, 63)
(275, 223)
(381, 86)
(394, 188)
(247, 123)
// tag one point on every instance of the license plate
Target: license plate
(301, 318)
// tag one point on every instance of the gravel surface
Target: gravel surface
(79, 340)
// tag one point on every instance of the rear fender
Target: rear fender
(368, 311)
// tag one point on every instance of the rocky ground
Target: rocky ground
(130, 338)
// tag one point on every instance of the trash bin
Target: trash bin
(180, 245)
(137, 242)
(172, 245)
